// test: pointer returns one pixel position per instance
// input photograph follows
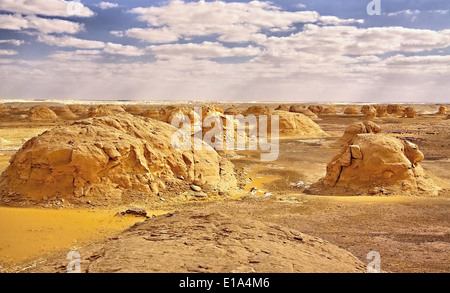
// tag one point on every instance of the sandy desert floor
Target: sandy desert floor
(411, 233)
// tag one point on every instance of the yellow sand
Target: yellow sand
(30, 233)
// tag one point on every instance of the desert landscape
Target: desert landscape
(103, 179)
(231, 137)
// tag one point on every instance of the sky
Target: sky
(283, 50)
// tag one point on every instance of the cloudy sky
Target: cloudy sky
(283, 50)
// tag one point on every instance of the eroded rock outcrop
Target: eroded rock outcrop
(209, 242)
(111, 160)
(410, 112)
(442, 110)
(105, 110)
(377, 164)
(42, 113)
(357, 128)
(64, 112)
(297, 125)
(351, 111)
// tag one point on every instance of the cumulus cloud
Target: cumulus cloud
(44, 25)
(12, 42)
(179, 19)
(118, 34)
(46, 7)
(160, 35)
(8, 52)
(253, 50)
(205, 50)
(68, 41)
(107, 5)
(119, 49)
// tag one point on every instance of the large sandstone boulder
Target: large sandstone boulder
(199, 241)
(112, 160)
(395, 109)
(153, 113)
(442, 110)
(105, 110)
(42, 113)
(64, 112)
(257, 110)
(282, 108)
(410, 112)
(382, 111)
(297, 125)
(79, 110)
(316, 109)
(351, 111)
(377, 164)
(329, 111)
(135, 110)
(303, 110)
(233, 110)
(370, 112)
(357, 128)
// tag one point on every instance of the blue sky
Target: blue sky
(307, 50)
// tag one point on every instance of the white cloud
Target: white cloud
(68, 41)
(8, 52)
(118, 34)
(107, 5)
(44, 25)
(300, 5)
(419, 60)
(179, 20)
(160, 35)
(118, 49)
(12, 42)
(46, 7)
(205, 50)
(404, 12)
(327, 51)
(333, 20)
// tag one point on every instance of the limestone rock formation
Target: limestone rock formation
(105, 110)
(282, 108)
(370, 113)
(351, 111)
(153, 113)
(42, 113)
(64, 112)
(303, 110)
(79, 110)
(111, 160)
(442, 110)
(378, 164)
(233, 110)
(209, 242)
(135, 110)
(257, 110)
(357, 128)
(329, 111)
(297, 125)
(382, 111)
(316, 109)
(410, 112)
(395, 109)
